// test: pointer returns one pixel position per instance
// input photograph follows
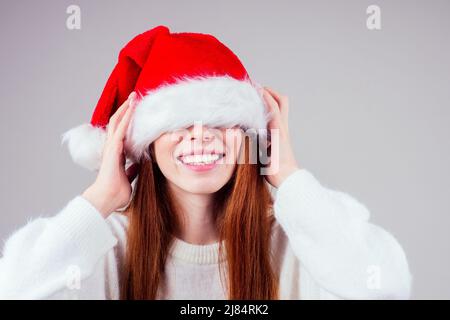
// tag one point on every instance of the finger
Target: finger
(280, 116)
(123, 158)
(283, 105)
(123, 125)
(275, 95)
(118, 114)
(282, 100)
(124, 107)
(275, 116)
(273, 105)
(114, 120)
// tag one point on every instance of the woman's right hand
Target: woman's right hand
(112, 187)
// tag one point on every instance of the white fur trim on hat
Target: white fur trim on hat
(220, 101)
(85, 143)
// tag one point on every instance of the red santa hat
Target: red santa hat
(180, 78)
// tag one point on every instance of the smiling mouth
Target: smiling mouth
(200, 159)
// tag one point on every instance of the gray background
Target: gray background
(369, 109)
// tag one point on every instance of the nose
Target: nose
(201, 133)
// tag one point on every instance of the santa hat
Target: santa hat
(180, 78)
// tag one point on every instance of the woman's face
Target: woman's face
(199, 159)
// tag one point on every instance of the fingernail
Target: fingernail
(131, 96)
(131, 99)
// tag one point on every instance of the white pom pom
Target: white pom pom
(85, 143)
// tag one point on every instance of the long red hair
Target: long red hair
(243, 217)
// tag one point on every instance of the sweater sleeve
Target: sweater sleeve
(59, 257)
(330, 233)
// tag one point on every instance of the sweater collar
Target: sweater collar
(196, 253)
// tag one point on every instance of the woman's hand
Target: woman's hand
(112, 187)
(282, 159)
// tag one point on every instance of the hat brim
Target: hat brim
(219, 101)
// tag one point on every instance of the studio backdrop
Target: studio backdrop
(368, 84)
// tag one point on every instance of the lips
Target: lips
(200, 162)
(199, 159)
(199, 152)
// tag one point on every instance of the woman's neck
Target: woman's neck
(196, 216)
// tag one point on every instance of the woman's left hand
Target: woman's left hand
(282, 159)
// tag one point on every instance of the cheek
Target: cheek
(164, 154)
(233, 147)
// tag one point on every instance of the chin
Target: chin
(202, 186)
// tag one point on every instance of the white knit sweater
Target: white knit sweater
(323, 244)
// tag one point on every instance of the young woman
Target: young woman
(200, 223)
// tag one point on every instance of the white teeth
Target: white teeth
(200, 159)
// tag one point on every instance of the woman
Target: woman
(200, 221)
